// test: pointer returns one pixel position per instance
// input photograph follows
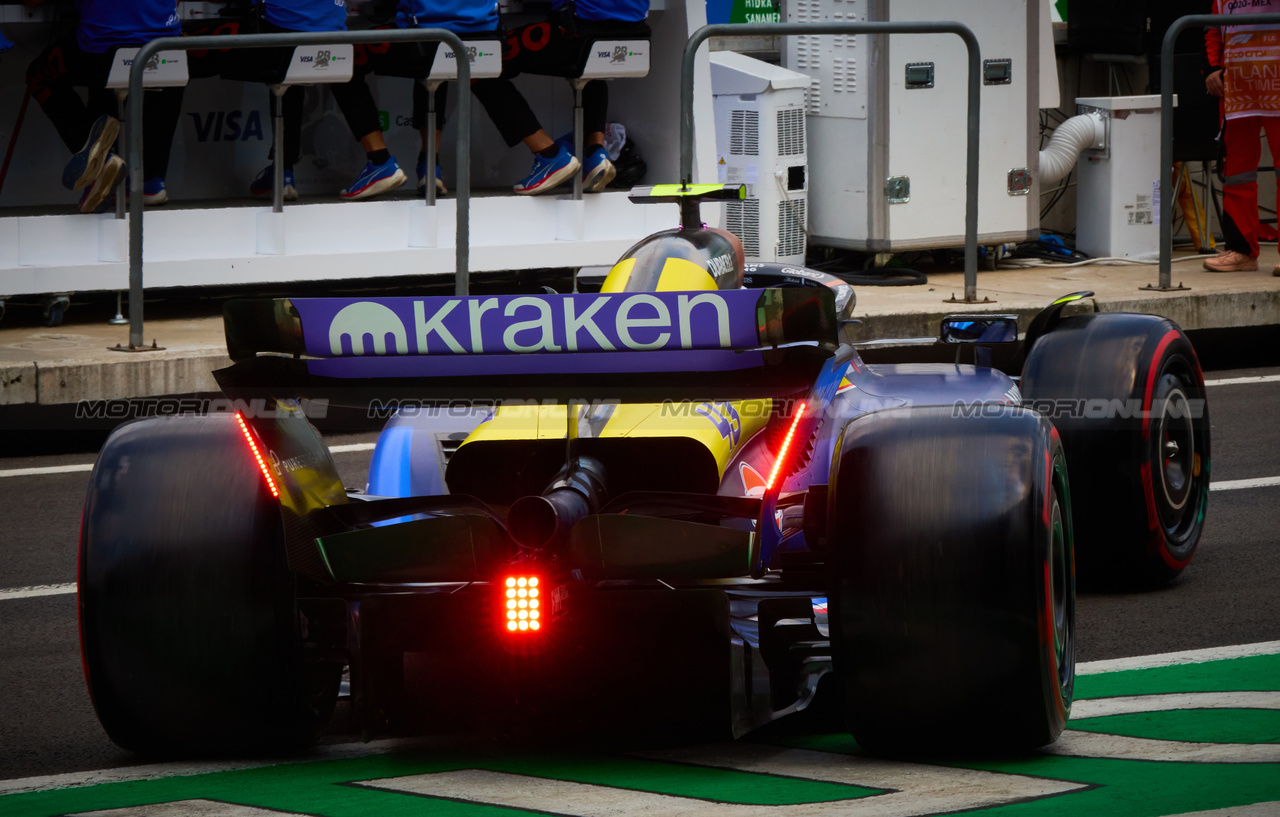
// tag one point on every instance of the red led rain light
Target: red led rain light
(257, 455)
(521, 604)
(783, 451)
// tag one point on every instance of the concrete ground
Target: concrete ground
(47, 367)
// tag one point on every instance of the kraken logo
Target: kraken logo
(368, 318)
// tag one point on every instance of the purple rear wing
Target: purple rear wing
(626, 346)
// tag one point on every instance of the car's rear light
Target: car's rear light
(257, 455)
(784, 450)
(522, 604)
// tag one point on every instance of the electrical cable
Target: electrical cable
(1028, 263)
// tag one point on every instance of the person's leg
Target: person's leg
(1240, 192)
(515, 120)
(597, 169)
(160, 117)
(595, 107)
(89, 133)
(511, 114)
(50, 78)
(419, 122)
(380, 174)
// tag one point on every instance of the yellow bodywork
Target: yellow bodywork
(722, 428)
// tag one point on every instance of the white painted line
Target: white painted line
(1170, 659)
(914, 789)
(88, 466)
(1091, 744)
(346, 449)
(1163, 702)
(189, 808)
(155, 771)
(48, 469)
(1236, 484)
(1241, 381)
(1270, 809)
(11, 593)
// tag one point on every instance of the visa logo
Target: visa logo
(227, 126)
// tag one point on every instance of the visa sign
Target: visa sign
(335, 327)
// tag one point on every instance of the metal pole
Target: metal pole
(578, 137)
(1166, 126)
(431, 143)
(291, 39)
(277, 166)
(120, 142)
(801, 29)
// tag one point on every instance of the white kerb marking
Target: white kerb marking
(1130, 704)
(13, 593)
(1170, 659)
(1237, 484)
(88, 466)
(48, 469)
(347, 449)
(1089, 744)
(920, 789)
(1243, 381)
(187, 808)
(159, 771)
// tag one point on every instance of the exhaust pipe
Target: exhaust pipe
(545, 521)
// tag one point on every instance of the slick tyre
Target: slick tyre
(1127, 395)
(188, 627)
(951, 580)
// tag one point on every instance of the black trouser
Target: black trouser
(409, 60)
(504, 104)
(53, 76)
(270, 64)
(554, 47)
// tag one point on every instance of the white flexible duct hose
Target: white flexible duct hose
(1069, 140)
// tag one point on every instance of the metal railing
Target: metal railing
(1166, 125)
(234, 41)
(800, 29)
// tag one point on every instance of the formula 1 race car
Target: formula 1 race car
(685, 498)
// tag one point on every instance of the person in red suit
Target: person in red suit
(1243, 66)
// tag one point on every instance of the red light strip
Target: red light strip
(782, 452)
(257, 455)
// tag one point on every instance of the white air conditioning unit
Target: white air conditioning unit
(887, 122)
(760, 142)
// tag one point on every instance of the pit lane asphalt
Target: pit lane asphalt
(1227, 596)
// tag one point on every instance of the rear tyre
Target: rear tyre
(952, 580)
(188, 625)
(1127, 394)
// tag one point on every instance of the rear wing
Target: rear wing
(706, 345)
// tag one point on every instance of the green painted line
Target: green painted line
(1191, 725)
(1259, 672)
(699, 782)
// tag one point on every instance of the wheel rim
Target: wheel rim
(1062, 581)
(1175, 438)
(1176, 454)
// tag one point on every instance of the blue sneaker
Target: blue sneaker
(547, 173)
(598, 171)
(153, 193)
(109, 175)
(86, 165)
(264, 184)
(422, 178)
(375, 180)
